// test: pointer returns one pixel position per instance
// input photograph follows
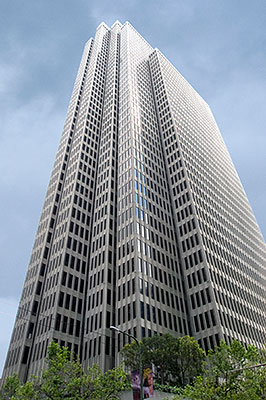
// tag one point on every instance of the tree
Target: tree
(230, 375)
(175, 360)
(27, 392)
(108, 385)
(64, 378)
(10, 387)
(155, 350)
(159, 351)
(226, 365)
(131, 355)
(189, 358)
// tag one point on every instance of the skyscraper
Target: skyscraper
(145, 224)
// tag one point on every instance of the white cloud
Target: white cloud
(9, 74)
(29, 138)
(29, 131)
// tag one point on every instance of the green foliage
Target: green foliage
(108, 385)
(65, 378)
(176, 360)
(189, 358)
(10, 387)
(159, 351)
(225, 358)
(27, 392)
(228, 375)
(131, 355)
(168, 388)
(201, 389)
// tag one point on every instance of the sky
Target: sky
(218, 46)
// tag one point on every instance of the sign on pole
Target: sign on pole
(147, 383)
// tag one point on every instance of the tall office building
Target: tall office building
(145, 224)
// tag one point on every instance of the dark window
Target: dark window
(57, 322)
(77, 328)
(25, 355)
(141, 309)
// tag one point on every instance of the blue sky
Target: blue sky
(219, 46)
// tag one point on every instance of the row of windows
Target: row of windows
(187, 227)
(96, 299)
(126, 313)
(80, 216)
(18, 331)
(158, 240)
(94, 323)
(239, 306)
(72, 282)
(158, 274)
(209, 342)
(155, 254)
(67, 325)
(200, 298)
(190, 242)
(77, 246)
(39, 351)
(235, 324)
(193, 259)
(97, 278)
(70, 302)
(204, 321)
(47, 302)
(125, 289)
(12, 357)
(163, 318)
(125, 268)
(44, 325)
(197, 278)
(161, 295)
(75, 263)
(124, 232)
(50, 282)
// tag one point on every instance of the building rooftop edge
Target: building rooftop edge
(104, 25)
(117, 23)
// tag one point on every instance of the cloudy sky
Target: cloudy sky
(219, 46)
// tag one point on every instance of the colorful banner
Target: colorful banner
(147, 379)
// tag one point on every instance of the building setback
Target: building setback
(145, 224)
